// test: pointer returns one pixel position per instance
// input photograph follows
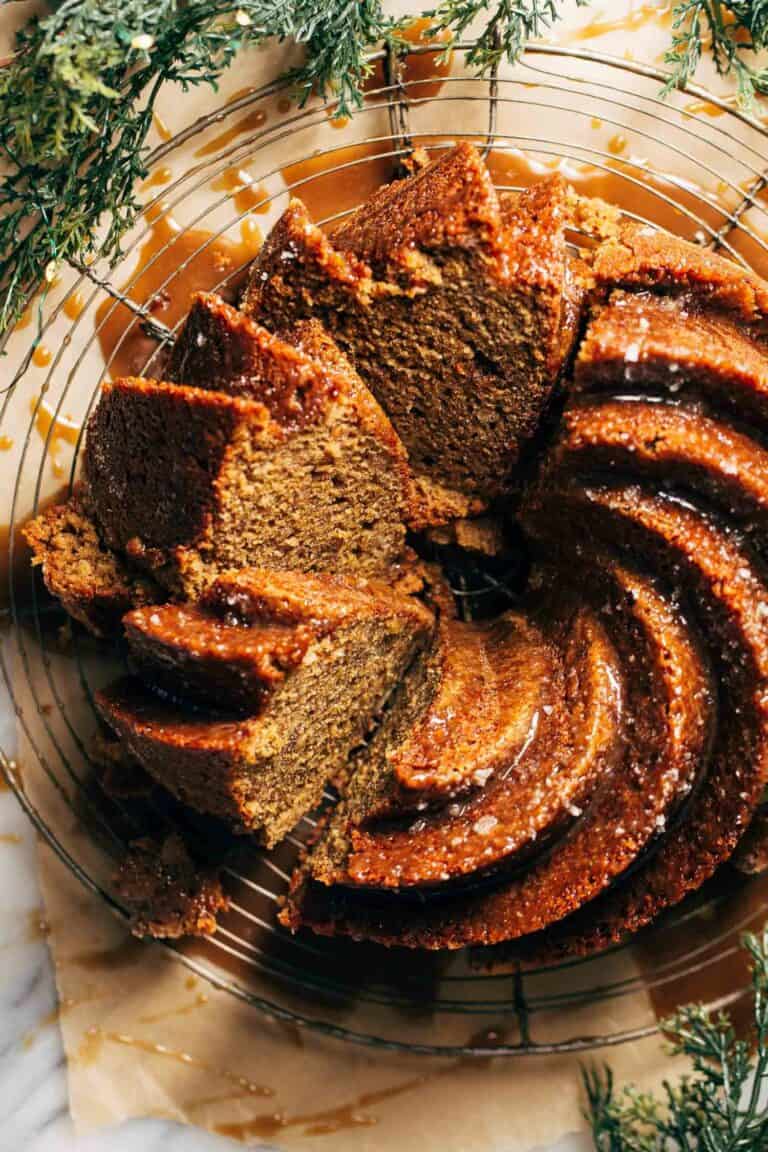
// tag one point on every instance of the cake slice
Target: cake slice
(273, 458)
(452, 307)
(293, 671)
(94, 584)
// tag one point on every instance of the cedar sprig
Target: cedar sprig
(731, 33)
(721, 1106)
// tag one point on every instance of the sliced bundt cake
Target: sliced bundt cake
(454, 307)
(294, 465)
(168, 894)
(475, 756)
(547, 780)
(649, 470)
(638, 788)
(293, 670)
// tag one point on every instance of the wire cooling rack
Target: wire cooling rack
(690, 162)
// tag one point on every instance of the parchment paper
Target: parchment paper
(144, 1038)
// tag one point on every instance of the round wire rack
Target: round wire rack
(689, 162)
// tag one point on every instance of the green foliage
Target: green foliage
(722, 1106)
(76, 107)
(76, 100)
(732, 33)
(505, 28)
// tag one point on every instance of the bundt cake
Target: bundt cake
(454, 307)
(546, 779)
(648, 470)
(291, 672)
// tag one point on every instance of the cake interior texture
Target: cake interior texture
(443, 375)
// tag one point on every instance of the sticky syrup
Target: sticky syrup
(247, 196)
(321, 1123)
(73, 305)
(42, 356)
(602, 24)
(160, 176)
(704, 948)
(58, 431)
(161, 127)
(251, 122)
(95, 1038)
(204, 271)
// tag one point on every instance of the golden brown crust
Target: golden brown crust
(643, 257)
(558, 776)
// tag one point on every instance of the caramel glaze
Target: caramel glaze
(95, 1038)
(55, 431)
(729, 591)
(216, 259)
(251, 122)
(247, 196)
(539, 735)
(638, 16)
(424, 72)
(577, 512)
(252, 629)
(638, 257)
(681, 444)
(713, 936)
(324, 1122)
